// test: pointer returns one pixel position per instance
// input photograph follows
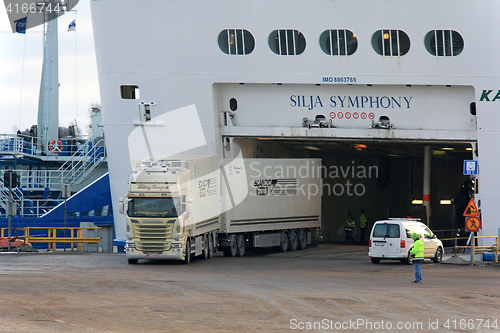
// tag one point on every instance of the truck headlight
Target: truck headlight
(130, 246)
(178, 229)
(176, 245)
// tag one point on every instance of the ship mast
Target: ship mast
(48, 102)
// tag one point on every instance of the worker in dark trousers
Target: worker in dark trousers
(418, 251)
(348, 229)
(363, 226)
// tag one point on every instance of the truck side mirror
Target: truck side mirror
(121, 208)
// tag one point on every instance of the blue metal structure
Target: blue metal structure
(91, 204)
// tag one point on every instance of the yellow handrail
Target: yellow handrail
(52, 239)
(483, 248)
(493, 248)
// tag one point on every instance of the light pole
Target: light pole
(66, 192)
(9, 210)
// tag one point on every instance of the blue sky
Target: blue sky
(21, 58)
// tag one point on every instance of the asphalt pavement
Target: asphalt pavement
(329, 288)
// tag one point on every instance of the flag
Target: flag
(72, 26)
(21, 25)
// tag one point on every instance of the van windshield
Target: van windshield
(386, 230)
(153, 207)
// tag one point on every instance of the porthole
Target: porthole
(287, 42)
(444, 43)
(338, 42)
(390, 43)
(233, 104)
(236, 42)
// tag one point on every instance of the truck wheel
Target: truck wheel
(230, 251)
(241, 246)
(205, 248)
(292, 246)
(133, 261)
(210, 247)
(187, 258)
(302, 240)
(284, 241)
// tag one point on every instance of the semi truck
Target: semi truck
(179, 208)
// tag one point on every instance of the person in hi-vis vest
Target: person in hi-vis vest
(418, 251)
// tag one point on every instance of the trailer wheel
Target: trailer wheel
(230, 251)
(210, 247)
(302, 240)
(133, 261)
(284, 241)
(187, 258)
(293, 241)
(205, 248)
(241, 246)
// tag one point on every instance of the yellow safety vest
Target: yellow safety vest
(418, 249)
(350, 222)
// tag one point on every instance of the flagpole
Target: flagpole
(76, 74)
(22, 83)
(72, 27)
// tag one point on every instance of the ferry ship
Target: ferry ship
(51, 176)
(408, 89)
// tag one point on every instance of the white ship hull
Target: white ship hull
(169, 50)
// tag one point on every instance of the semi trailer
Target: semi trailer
(178, 208)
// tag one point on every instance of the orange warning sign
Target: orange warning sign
(473, 223)
(471, 209)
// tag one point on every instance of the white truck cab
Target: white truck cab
(392, 239)
(162, 222)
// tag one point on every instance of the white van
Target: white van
(392, 239)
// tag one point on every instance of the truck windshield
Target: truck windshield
(154, 207)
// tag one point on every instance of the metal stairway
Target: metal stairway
(81, 164)
(33, 194)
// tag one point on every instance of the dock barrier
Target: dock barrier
(53, 237)
(482, 249)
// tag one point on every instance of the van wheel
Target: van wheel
(409, 259)
(375, 260)
(438, 256)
